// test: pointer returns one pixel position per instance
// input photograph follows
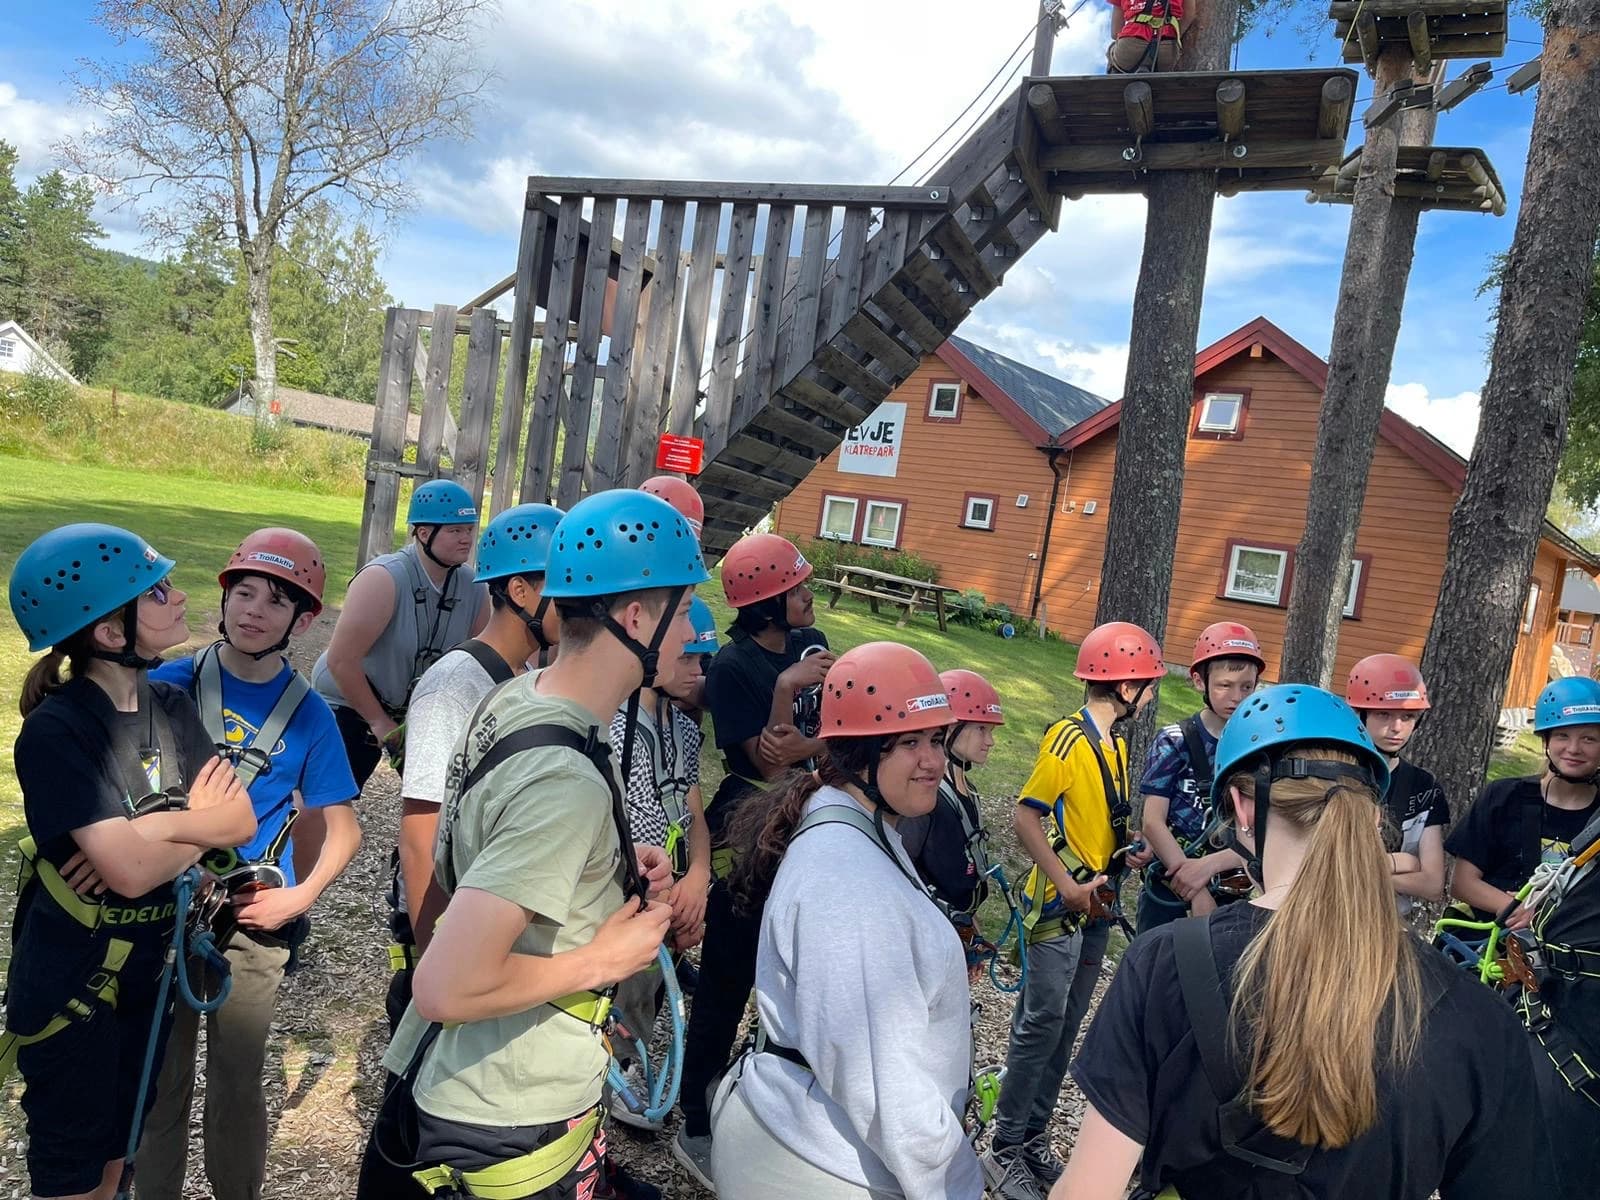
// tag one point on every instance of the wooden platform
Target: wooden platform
(1429, 29)
(1261, 130)
(1459, 178)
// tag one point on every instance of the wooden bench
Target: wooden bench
(908, 594)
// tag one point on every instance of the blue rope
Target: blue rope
(1014, 930)
(661, 1085)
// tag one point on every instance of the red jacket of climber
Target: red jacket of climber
(1141, 19)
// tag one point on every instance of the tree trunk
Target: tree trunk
(1153, 434)
(258, 289)
(1495, 529)
(1366, 324)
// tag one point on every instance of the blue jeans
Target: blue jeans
(1062, 972)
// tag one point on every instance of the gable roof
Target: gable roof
(332, 413)
(1039, 406)
(1427, 451)
(1580, 592)
(12, 329)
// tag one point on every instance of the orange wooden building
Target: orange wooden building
(1002, 475)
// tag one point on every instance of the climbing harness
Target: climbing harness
(252, 760)
(662, 748)
(432, 649)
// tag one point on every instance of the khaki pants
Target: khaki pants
(236, 1105)
(1125, 55)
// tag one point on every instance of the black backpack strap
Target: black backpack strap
(1194, 746)
(495, 667)
(1116, 787)
(533, 737)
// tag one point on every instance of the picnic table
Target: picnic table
(883, 587)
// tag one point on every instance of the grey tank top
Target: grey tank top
(426, 623)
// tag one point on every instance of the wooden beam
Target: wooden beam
(964, 257)
(849, 270)
(1230, 109)
(471, 458)
(702, 270)
(1525, 77)
(761, 344)
(798, 341)
(837, 406)
(535, 229)
(538, 459)
(835, 362)
(871, 337)
(730, 321)
(388, 433)
(931, 196)
(651, 374)
(1346, 10)
(436, 389)
(901, 313)
(749, 483)
(1042, 103)
(617, 398)
(796, 429)
(1367, 39)
(769, 456)
(1421, 45)
(578, 409)
(1196, 156)
(1333, 109)
(1140, 108)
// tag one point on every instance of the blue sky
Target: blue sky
(837, 91)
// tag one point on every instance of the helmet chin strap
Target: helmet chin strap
(534, 622)
(1593, 777)
(1288, 767)
(1205, 689)
(129, 656)
(427, 548)
(258, 655)
(1130, 706)
(950, 746)
(649, 656)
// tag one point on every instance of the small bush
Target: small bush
(968, 608)
(39, 394)
(827, 556)
(266, 437)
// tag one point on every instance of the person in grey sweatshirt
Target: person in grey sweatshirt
(858, 1078)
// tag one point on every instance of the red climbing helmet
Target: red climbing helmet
(882, 689)
(284, 554)
(1387, 681)
(681, 495)
(761, 566)
(971, 698)
(1118, 651)
(1227, 639)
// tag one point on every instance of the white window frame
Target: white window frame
(855, 515)
(938, 414)
(1252, 597)
(8, 347)
(866, 523)
(1530, 610)
(968, 521)
(1355, 588)
(1206, 425)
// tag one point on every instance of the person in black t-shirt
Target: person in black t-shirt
(98, 750)
(764, 693)
(1516, 824)
(1390, 696)
(1387, 1074)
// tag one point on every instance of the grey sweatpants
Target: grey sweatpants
(1062, 972)
(235, 1121)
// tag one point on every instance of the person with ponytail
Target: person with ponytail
(121, 793)
(1305, 1044)
(1516, 824)
(857, 1079)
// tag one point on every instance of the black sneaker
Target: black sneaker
(1041, 1160)
(688, 976)
(619, 1184)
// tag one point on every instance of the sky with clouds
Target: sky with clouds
(830, 91)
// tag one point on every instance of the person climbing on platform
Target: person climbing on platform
(1072, 819)
(511, 559)
(496, 1069)
(1150, 38)
(1516, 824)
(1190, 874)
(665, 809)
(1391, 698)
(402, 612)
(763, 689)
(1304, 1044)
(858, 1077)
(262, 715)
(122, 792)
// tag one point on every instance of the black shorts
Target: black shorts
(82, 1088)
(360, 744)
(404, 1137)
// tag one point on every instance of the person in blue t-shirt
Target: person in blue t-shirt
(286, 748)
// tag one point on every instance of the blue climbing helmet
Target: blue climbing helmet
(705, 629)
(1571, 701)
(1264, 730)
(517, 542)
(76, 575)
(442, 502)
(617, 541)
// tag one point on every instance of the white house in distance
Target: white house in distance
(19, 354)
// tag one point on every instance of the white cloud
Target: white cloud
(34, 127)
(1451, 419)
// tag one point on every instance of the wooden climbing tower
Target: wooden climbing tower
(768, 319)
(1260, 130)
(1456, 178)
(1429, 29)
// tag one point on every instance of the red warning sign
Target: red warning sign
(685, 455)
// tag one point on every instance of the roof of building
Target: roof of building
(1039, 405)
(12, 329)
(1422, 447)
(1580, 592)
(326, 412)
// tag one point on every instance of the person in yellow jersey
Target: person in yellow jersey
(1072, 817)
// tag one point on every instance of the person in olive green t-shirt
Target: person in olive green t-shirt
(484, 1068)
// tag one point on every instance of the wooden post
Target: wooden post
(696, 312)
(1421, 44)
(477, 402)
(800, 340)
(1140, 107)
(755, 379)
(530, 250)
(730, 322)
(849, 268)
(1044, 38)
(1042, 102)
(538, 458)
(580, 394)
(436, 388)
(650, 367)
(1230, 109)
(1333, 114)
(388, 434)
(616, 403)
(1367, 36)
